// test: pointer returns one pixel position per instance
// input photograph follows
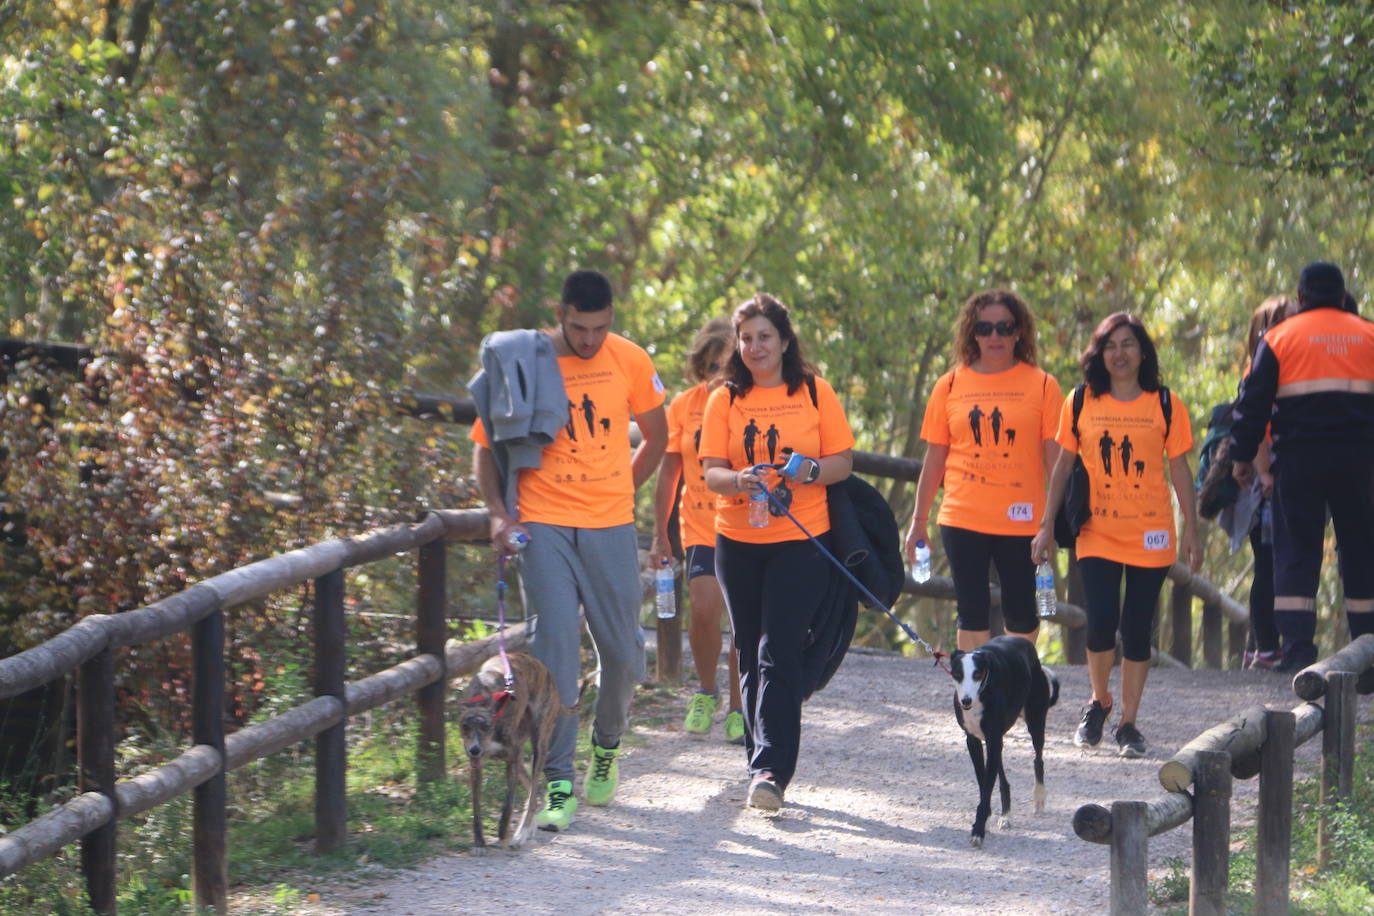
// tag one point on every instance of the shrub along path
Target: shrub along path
(876, 821)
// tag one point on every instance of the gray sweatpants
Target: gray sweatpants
(561, 570)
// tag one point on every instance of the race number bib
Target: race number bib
(1157, 540)
(1020, 512)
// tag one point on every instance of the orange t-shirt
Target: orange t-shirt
(754, 429)
(995, 425)
(585, 480)
(1125, 451)
(697, 511)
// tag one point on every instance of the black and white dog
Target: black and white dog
(994, 685)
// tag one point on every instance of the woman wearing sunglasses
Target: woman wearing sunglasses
(1131, 530)
(680, 472)
(989, 428)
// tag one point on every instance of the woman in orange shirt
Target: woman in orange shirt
(989, 427)
(775, 579)
(680, 470)
(1131, 529)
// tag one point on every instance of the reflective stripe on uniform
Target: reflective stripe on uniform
(1318, 385)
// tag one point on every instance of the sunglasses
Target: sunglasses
(985, 328)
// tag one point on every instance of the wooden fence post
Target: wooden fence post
(331, 751)
(1338, 754)
(1211, 635)
(1130, 842)
(1275, 817)
(1211, 834)
(1075, 638)
(96, 773)
(210, 865)
(431, 604)
(1181, 616)
(1236, 635)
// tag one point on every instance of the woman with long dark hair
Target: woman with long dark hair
(1131, 531)
(989, 429)
(773, 576)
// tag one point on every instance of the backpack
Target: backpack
(1216, 488)
(1075, 511)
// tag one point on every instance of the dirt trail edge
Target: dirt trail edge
(876, 821)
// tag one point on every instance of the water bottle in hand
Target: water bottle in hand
(665, 595)
(1046, 603)
(758, 507)
(517, 540)
(920, 571)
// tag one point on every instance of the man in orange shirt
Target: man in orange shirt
(577, 509)
(1312, 383)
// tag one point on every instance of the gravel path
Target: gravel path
(876, 820)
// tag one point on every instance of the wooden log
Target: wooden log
(1230, 608)
(464, 658)
(1075, 636)
(331, 680)
(1356, 658)
(260, 579)
(61, 826)
(1093, 823)
(1308, 719)
(380, 543)
(942, 588)
(1181, 619)
(1274, 821)
(1239, 735)
(1211, 835)
(1338, 755)
(160, 619)
(1130, 881)
(397, 681)
(50, 660)
(176, 777)
(297, 724)
(465, 526)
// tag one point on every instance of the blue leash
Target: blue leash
(915, 637)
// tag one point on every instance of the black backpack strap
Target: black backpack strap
(811, 387)
(1166, 407)
(1078, 393)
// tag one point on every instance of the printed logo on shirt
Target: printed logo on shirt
(1118, 460)
(658, 383)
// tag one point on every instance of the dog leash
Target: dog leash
(501, 619)
(912, 634)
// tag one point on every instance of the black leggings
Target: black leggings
(970, 553)
(772, 592)
(1107, 609)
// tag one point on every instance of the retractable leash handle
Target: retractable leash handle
(912, 634)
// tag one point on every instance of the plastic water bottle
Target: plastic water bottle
(665, 595)
(920, 572)
(1046, 603)
(1267, 523)
(758, 507)
(517, 540)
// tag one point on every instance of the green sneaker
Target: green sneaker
(700, 713)
(599, 787)
(562, 805)
(734, 727)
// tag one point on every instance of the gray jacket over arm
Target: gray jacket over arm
(520, 400)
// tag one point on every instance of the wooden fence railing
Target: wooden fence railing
(88, 648)
(1197, 782)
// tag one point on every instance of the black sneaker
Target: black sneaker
(1129, 741)
(1090, 729)
(1296, 658)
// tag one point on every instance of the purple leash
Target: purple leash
(501, 619)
